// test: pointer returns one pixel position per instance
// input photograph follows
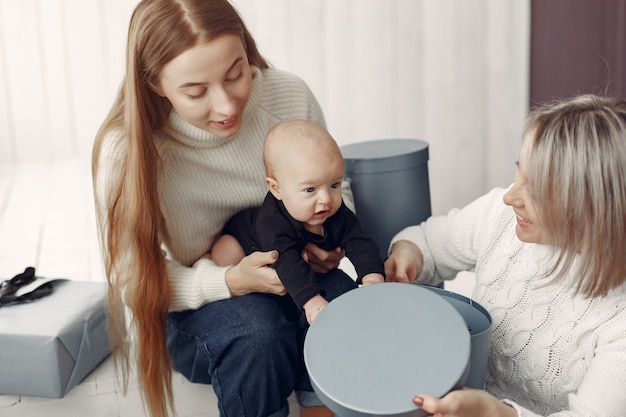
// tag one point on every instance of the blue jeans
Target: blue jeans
(249, 348)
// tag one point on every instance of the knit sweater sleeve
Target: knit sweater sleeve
(452, 243)
(195, 286)
(600, 390)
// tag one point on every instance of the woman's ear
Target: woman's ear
(274, 187)
(156, 87)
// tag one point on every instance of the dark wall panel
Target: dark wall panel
(577, 46)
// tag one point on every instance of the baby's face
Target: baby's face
(310, 188)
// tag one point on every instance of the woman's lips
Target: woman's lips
(226, 124)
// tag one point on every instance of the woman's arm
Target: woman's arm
(452, 243)
(204, 282)
(404, 263)
(465, 403)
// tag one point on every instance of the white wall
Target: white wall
(451, 72)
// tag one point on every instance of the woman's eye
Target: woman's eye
(309, 189)
(196, 96)
(235, 78)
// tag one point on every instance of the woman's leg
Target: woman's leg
(246, 347)
(335, 283)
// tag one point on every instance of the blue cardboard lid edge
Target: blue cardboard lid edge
(384, 155)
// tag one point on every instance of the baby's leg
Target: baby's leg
(227, 251)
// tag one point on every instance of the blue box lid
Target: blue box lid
(384, 155)
(370, 350)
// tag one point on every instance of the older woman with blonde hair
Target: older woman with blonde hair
(179, 153)
(549, 256)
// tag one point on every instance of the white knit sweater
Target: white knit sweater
(552, 353)
(206, 179)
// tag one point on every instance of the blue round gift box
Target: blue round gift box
(372, 349)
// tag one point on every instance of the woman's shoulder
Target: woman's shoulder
(280, 79)
(112, 146)
(287, 96)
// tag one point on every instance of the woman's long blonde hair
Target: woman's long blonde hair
(576, 169)
(130, 217)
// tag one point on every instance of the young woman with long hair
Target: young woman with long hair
(179, 153)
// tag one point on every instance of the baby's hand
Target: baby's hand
(313, 307)
(370, 279)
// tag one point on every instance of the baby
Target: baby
(304, 204)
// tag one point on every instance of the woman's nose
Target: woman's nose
(222, 102)
(511, 197)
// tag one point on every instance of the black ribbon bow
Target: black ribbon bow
(10, 287)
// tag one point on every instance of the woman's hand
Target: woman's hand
(252, 274)
(405, 262)
(322, 261)
(464, 403)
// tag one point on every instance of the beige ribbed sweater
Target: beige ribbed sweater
(206, 179)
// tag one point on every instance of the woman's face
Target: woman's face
(528, 228)
(209, 85)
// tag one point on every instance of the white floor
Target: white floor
(47, 221)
